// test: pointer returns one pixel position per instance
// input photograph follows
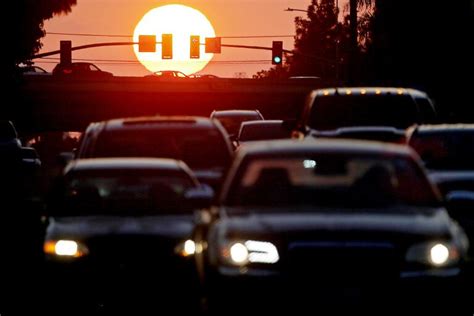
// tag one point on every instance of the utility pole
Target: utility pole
(338, 39)
(353, 40)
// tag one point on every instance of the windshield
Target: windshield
(256, 132)
(199, 149)
(232, 123)
(124, 193)
(332, 112)
(331, 181)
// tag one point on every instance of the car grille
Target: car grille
(343, 261)
(131, 249)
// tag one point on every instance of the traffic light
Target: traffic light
(65, 52)
(167, 46)
(213, 45)
(147, 43)
(195, 51)
(277, 53)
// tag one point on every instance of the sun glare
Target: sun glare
(182, 22)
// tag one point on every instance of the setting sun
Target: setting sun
(182, 22)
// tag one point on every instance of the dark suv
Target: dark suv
(334, 108)
(200, 142)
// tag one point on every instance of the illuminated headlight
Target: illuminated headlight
(188, 248)
(251, 251)
(437, 254)
(65, 248)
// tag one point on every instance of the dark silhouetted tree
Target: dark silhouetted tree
(276, 72)
(424, 44)
(24, 28)
(320, 42)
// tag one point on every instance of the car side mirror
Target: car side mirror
(200, 197)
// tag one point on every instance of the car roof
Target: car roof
(125, 163)
(436, 128)
(370, 91)
(261, 123)
(312, 146)
(235, 113)
(360, 129)
(159, 121)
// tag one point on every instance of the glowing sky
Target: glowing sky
(229, 18)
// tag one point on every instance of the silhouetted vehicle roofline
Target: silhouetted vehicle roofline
(426, 128)
(369, 91)
(154, 122)
(355, 147)
(237, 112)
(125, 163)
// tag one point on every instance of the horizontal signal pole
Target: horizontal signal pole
(254, 47)
(56, 52)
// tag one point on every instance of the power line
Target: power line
(129, 36)
(89, 34)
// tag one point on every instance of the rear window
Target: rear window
(256, 132)
(445, 150)
(232, 123)
(332, 112)
(198, 148)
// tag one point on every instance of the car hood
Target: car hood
(86, 227)
(338, 225)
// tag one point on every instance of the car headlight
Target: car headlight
(187, 248)
(436, 254)
(65, 248)
(250, 251)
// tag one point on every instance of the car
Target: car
(200, 142)
(375, 133)
(447, 151)
(203, 76)
(333, 108)
(8, 134)
(34, 71)
(444, 147)
(167, 74)
(231, 119)
(116, 224)
(300, 224)
(80, 70)
(19, 167)
(251, 131)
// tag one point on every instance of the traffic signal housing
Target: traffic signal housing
(147, 43)
(277, 53)
(65, 52)
(195, 47)
(167, 46)
(213, 45)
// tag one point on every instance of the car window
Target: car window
(232, 123)
(332, 112)
(94, 68)
(332, 181)
(451, 150)
(263, 132)
(197, 148)
(180, 75)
